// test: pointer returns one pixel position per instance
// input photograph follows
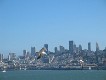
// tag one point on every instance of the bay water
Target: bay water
(54, 75)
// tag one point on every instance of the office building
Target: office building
(80, 47)
(1, 57)
(55, 50)
(97, 47)
(12, 56)
(71, 46)
(62, 49)
(46, 46)
(89, 46)
(24, 53)
(74, 48)
(33, 51)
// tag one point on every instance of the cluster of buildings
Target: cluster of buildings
(72, 58)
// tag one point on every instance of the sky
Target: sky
(26, 23)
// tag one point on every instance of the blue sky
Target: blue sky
(26, 23)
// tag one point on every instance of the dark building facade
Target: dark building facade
(46, 46)
(89, 46)
(1, 57)
(55, 50)
(71, 43)
(24, 53)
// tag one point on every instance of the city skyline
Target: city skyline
(72, 47)
(34, 23)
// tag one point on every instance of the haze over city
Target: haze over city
(25, 23)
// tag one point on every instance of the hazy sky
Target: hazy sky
(26, 23)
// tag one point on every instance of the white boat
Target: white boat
(20, 68)
(4, 71)
(89, 68)
(25, 68)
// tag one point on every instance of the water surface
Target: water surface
(54, 75)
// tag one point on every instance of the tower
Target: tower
(74, 48)
(46, 46)
(71, 47)
(80, 48)
(56, 50)
(1, 57)
(33, 51)
(89, 46)
(62, 49)
(97, 47)
(24, 53)
(12, 56)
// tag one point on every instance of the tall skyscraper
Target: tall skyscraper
(74, 48)
(24, 53)
(46, 46)
(12, 56)
(62, 49)
(56, 50)
(71, 46)
(33, 51)
(1, 57)
(89, 46)
(28, 54)
(80, 47)
(97, 47)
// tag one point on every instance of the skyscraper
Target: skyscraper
(97, 47)
(62, 49)
(46, 46)
(12, 56)
(33, 51)
(71, 47)
(89, 46)
(56, 50)
(74, 48)
(80, 47)
(1, 57)
(24, 53)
